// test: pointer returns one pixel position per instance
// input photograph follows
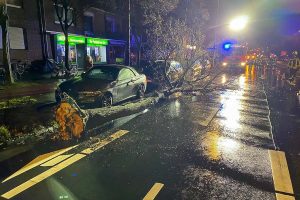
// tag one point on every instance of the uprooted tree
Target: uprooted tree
(173, 32)
(73, 120)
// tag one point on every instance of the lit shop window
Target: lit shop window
(97, 53)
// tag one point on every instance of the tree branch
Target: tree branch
(60, 17)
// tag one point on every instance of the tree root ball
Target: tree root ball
(70, 121)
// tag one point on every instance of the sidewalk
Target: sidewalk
(20, 89)
(26, 111)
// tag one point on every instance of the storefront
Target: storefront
(96, 48)
(75, 49)
(100, 50)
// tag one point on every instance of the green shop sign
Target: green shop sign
(72, 39)
(97, 42)
(120, 60)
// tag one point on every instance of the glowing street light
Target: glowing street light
(239, 23)
(191, 47)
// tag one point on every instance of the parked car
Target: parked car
(155, 71)
(104, 85)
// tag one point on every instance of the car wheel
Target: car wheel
(141, 92)
(106, 100)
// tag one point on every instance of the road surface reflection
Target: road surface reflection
(217, 145)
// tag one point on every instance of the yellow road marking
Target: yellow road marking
(104, 142)
(284, 197)
(38, 161)
(153, 191)
(56, 160)
(35, 180)
(280, 171)
(24, 186)
(210, 117)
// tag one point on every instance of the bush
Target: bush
(17, 102)
(4, 134)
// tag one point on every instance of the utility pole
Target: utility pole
(5, 41)
(129, 32)
(215, 33)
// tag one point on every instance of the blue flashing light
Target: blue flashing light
(227, 46)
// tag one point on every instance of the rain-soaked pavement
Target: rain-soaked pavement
(285, 117)
(200, 147)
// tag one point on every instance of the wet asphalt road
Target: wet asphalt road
(201, 147)
(285, 118)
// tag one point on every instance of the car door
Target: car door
(126, 84)
(136, 80)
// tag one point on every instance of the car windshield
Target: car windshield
(104, 73)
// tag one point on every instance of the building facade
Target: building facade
(35, 33)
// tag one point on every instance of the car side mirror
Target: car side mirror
(83, 75)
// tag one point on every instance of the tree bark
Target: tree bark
(5, 41)
(67, 45)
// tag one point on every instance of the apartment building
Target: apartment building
(35, 33)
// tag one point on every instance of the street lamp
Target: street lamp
(239, 23)
(215, 34)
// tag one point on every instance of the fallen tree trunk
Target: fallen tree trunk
(109, 113)
(73, 121)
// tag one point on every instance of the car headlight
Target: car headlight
(224, 64)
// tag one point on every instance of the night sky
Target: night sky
(272, 22)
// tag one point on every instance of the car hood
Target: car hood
(79, 84)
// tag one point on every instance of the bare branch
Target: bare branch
(59, 14)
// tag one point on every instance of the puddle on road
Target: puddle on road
(231, 109)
